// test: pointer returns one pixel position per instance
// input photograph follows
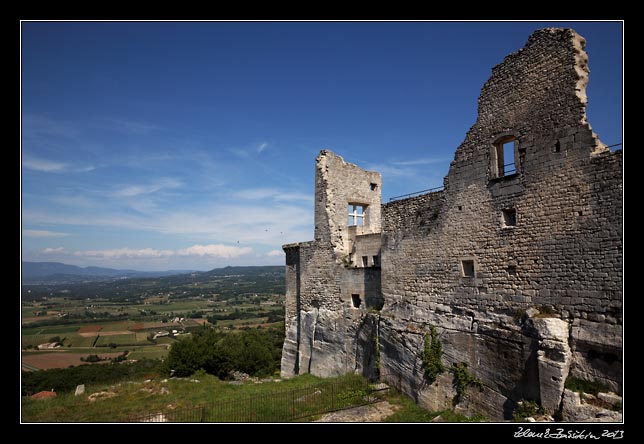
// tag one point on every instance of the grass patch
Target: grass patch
(76, 340)
(35, 340)
(585, 386)
(409, 411)
(59, 329)
(269, 400)
(148, 353)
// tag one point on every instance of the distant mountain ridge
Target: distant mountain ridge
(57, 272)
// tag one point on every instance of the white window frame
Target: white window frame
(357, 218)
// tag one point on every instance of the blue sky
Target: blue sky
(191, 145)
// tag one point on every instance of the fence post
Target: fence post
(332, 397)
(292, 404)
(250, 409)
(203, 414)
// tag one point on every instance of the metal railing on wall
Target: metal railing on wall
(416, 193)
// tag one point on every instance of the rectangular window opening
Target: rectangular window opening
(510, 217)
(467, 268)
(356, 215)
(365, 261)
(376, 261)
(503, 160)
(509, 166)
(512, 270)
(355, 300)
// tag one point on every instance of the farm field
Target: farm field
(56, 359)
(143, 327)
(143, 316)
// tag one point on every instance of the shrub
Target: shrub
(252, 351)
(525, 409)
(463, 379)
(432, 355)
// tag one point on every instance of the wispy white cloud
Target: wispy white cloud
(85, 169)
(266, 222)
(137, 190)
(392, 171)
(42, 233)
(421, 161)
(47, 166)
(51, 166)
(275, 253)
(272, 193)
(75, 201)
(216, 250)
(212, 250)
(50, 250)
(124, 252)
(38, 125)
(262, 146)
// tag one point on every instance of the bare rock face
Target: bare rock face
(554, 358)
(576, 409)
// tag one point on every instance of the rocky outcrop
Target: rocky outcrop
(554, 359)
(580, 407)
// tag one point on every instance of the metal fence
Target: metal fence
(283, 406)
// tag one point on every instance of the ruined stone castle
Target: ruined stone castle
(516, 263)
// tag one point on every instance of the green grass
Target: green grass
(125, 339)
(77, 340)
(148, 352)
(584, 386)
(270, 401)
(117, 326)
(58, 329)
(137, 398)
(409, 411)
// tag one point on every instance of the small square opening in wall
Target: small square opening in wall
(467, 268)
(376, 261)
(365, 261)
(373, 186)
(510, 217)
(512, 270)
(355, 300)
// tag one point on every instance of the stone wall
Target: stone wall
(329, 329)
(563, 255)
(517, 262)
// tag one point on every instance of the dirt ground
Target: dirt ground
(367, 413)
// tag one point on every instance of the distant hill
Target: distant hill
(57, 272)
(226, 282)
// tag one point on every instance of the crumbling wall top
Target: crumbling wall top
(347, 198)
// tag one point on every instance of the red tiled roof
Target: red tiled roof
(43, 395)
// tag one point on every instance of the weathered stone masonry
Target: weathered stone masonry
(517, 262)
